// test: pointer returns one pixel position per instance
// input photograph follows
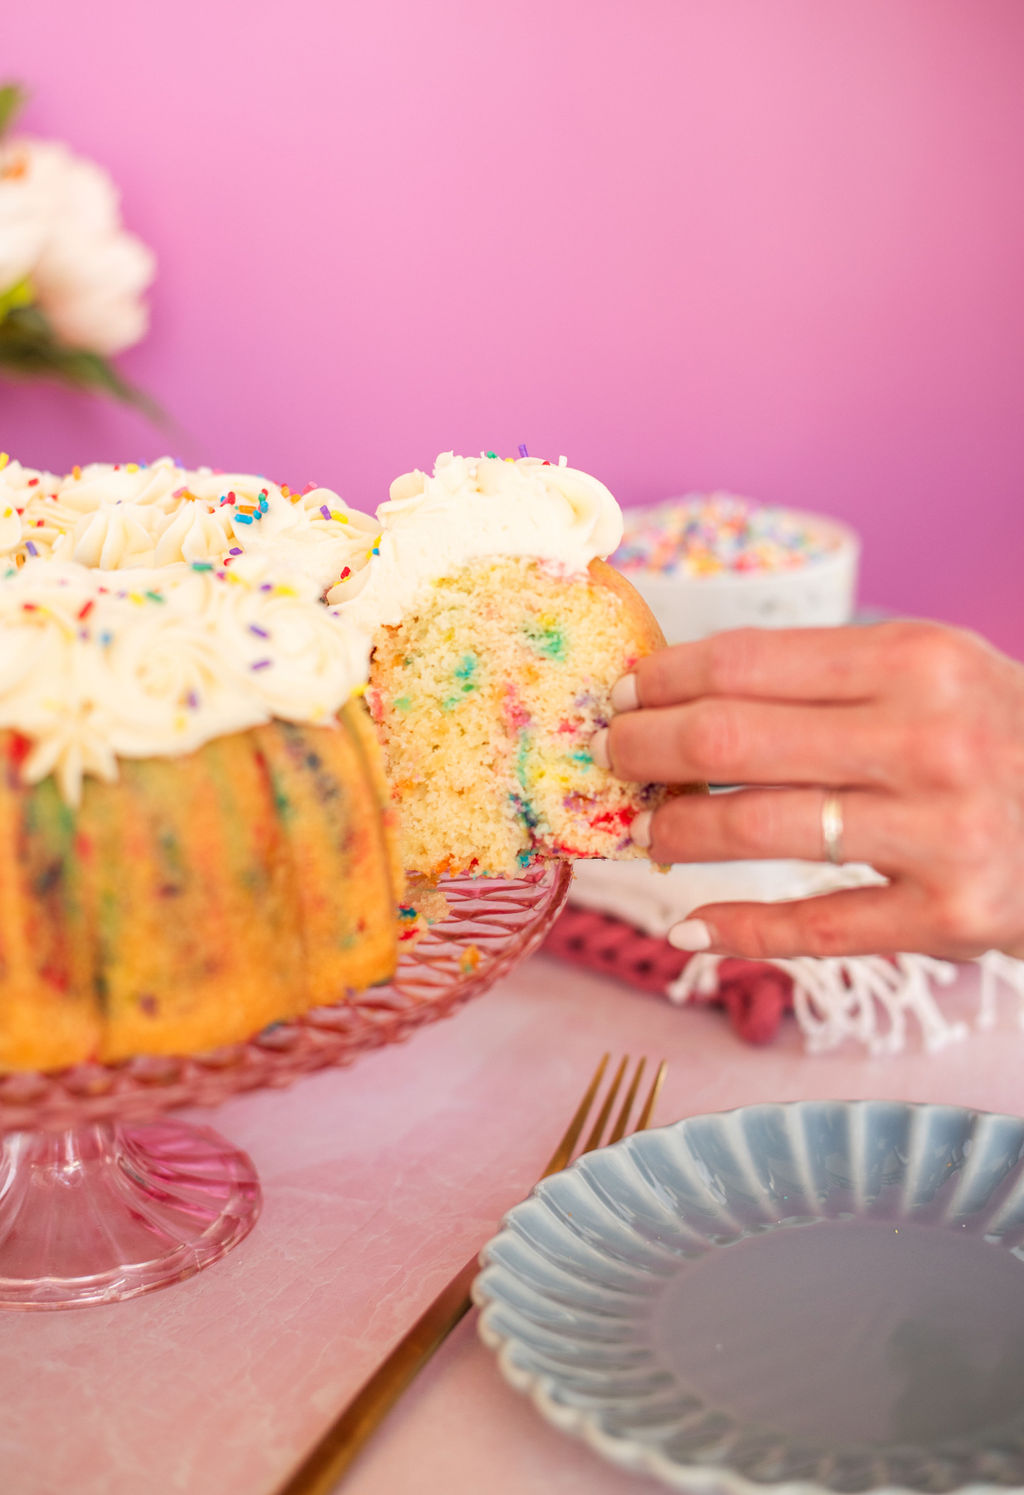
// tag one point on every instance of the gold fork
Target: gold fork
(324, 1465)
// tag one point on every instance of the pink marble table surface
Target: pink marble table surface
(379, 1181)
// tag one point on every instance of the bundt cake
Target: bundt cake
(195, 838)
(196, 834)
(498, 632)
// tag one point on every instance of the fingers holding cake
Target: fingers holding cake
(897, 745)
(773, 824)
(730, 740)
(906, 659)
(785, 664)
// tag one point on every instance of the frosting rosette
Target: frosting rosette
(91, 672)
(17, 490)
(473, 508)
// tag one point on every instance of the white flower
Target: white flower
(22, 230)
(90, 288)
(87, 272)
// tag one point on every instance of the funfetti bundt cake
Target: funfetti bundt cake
(195, 838)
(123, 516)
(497, 634)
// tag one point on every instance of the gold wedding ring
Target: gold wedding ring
(832, 827)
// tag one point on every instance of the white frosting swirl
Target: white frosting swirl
(11, 528)
(172, 659)
(124, 516)
(473, 508)
(18, 487)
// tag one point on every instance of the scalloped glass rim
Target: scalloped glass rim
(579, 1291)
(492, 925)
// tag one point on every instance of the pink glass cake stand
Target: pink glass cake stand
(104, 1196)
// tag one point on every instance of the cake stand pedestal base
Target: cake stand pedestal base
(106, 1210)
(99, 1201)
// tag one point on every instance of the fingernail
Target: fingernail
(691, 934)
(625, 696)
(599, 748)
(640, 830)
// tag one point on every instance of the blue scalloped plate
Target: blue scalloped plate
(818, 1296)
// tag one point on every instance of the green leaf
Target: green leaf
(12, 100)
(21, 294)
(29, 350)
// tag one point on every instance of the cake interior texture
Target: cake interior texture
(485, 698)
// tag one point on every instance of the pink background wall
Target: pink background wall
(776, 247)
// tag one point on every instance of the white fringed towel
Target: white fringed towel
(873, 1000)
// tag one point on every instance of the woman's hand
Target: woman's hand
(919, 728)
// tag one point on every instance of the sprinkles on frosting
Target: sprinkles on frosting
(132, 515)
(180, 658)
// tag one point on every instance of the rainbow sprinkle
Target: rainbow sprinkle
(718, 532)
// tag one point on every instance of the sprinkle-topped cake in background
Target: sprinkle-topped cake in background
(498, 632)
(195, 833)
(710, 562)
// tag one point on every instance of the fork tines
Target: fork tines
(567, 1146)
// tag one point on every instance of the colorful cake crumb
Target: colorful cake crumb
(423, 906)
(498, 633)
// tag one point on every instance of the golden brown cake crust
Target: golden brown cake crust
(648, 633)
(196, 899)
(646, 628)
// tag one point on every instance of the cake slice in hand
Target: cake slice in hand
(498, 632)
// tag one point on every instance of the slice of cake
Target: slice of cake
(497, 634)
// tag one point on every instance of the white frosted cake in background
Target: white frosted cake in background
(708, 562)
